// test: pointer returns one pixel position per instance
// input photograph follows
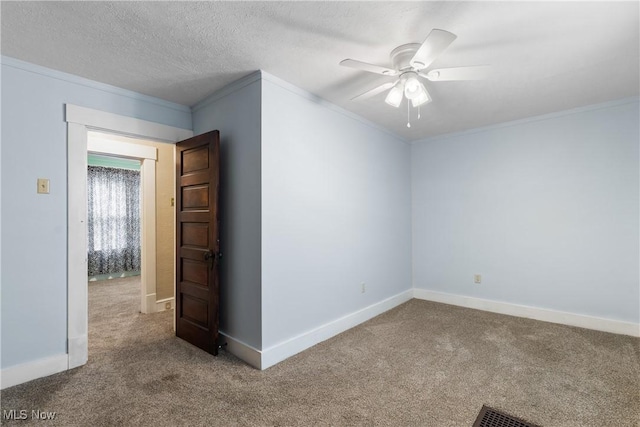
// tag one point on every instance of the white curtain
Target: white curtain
(113, 220)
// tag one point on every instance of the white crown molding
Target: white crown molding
(227, 90)
(328, 105)
(70, 78)
(543, 314)
(263, 75)
(532, 119)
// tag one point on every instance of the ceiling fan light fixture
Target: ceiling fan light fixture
(412, 88)
(411, 62)
(394, 97)
(421, 99)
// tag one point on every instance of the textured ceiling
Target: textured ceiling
(546, 56)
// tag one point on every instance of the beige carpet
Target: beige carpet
(421, 364)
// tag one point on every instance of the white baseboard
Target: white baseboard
(242, 350)
(275, 354)
(292, 346)
(161, 305)
(546, 315)
(22, 373)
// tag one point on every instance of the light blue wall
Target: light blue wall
(336, 212)
(34, 226)
(316, 202)
(546, 209)
(235, 112)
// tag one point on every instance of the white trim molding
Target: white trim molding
(543, 314)
(263, 359)
(76, 348)
(29, 371)
(281, 351)
(98, 144)
(328, 105)
(114, 123)
(148, 225)
(77, 289)
(242, 350)
(80, 121)
(77, 80)
(228, 89)
(532, 119)
(161, 304)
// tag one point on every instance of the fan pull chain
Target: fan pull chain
(418, 112)
(408, 114)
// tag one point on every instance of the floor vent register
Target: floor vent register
(489, 417)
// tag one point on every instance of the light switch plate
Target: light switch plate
(43, 186)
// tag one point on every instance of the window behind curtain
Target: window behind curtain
(113, 220)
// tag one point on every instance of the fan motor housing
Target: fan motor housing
(402, 55)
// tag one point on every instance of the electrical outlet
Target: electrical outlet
(477, 278)
(363, 287)
(43, 186)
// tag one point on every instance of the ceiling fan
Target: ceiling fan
(410, 62)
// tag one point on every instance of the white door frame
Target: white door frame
(80, 121)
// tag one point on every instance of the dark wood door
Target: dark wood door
(198, 240)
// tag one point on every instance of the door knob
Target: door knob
(211, 257)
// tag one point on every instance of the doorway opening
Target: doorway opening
(114, 243)
(133, 151)
(130, 232)
(80, 122)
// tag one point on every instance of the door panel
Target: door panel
(196, 196)
(195, 272)
(195, 234)
(198, 240)
(195, 160)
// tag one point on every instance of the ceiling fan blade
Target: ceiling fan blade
(476, 72)
(359, 65)
(435, 43)
(374, 91)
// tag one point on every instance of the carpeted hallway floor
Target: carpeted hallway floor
(420, 364)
